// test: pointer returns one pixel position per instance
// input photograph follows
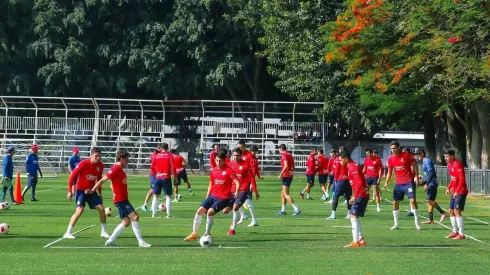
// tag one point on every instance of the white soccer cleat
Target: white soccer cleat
(253, 224)
(378, 209)
(395, 227)
(169, 217)
(108, 243)
(344, 203)
(332, 217)
(68, 236)
(417, 227)
(105, 235)
(329, 202)
(144, 244)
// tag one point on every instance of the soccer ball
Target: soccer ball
(7, 205)
(421, 179)
(108, 211)
(3, 206)
(4, 228)
(162, 207)
(206, 241)
(179, 197)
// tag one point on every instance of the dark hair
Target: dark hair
(395, 142)
(241, 142)
(173, 151)
(237, 150)
(450, 152)
(406, 149)
(369, 150)
(164, 146)
(95, 150)
(345, 155)
(254, 148)
(342, 148)
(313, 149)
(157, 149)
(375, 152)
(221, 155)
(283, 147)
(334, 151)
(321, 151)
(224, 150)
(122, 154)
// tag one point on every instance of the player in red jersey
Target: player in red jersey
(459, 191)
(323, 172)
(286, 177)
(403, 163)
(119, 186)
(241, 169)
(375, 153)
(311, 168)
(251, 159)
(331, 171)
(87, 173)
(342, 187)
(180, 164)
(152, 177)
(359, 199)
(163, 165)
(212, 156)
(218, 196)
(372, 171)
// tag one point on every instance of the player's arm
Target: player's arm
(364, 168)
(98, 185)
(460, 180)
(415, 169)
(27, 164)
(257, 170)
(237, 183)
(380, 172)
(5, 167)
(172, 167)
(209, 188)
(430, 174)
(99, 177)
(284, 169)
(39, 169)
(186, 164)
(71, 179)
(69, 165)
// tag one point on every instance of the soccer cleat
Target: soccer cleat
(459, 237)
(144, 244)
(344, 203)
(296, 213)
(175, 200)
(362, 242)
(443, 217)
(353, 244)
(231, 232)
(409, 214)
(34, 199)
(191, 237)
(144, 208)
(417, 227)
(394, 227)
(326, 196)
(302, 195)
(428, 222)
(373, 200)
(107, 243)
(280, 213)
(329, 202)
(378, 209)
(68, 236)
(253, 224)
(169, 217)
(331, 217)
(15, 203)
(452, 235)
(309, 199)
(105, 235)
(323, 198)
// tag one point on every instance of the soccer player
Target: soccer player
(119, 186)
(430, 186)
(73, 162)
(212, 156)
(241, 169)
(375, 153)
(152, 176)
(252, 162)
(88, 172)
(218, 196)
(8, 174)
(180, 163)
(459, 191)
(32, 167)
(286, 177)
(164, 169)
(342, 186)
(332, 164)
(372, 171)
(323, 172)
(311, 167)
(410, 213)
(360, 199)
(403, 163)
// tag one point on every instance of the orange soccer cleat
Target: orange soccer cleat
(362, 242)
(452, 235)
(428, 222)
(353, 244)
(191, 237)
(459, 237)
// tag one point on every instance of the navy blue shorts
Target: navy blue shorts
(182, 176)
(152, 181)
(359, 207)
(401, 190)
(31, 180)
(242, 197)
(372, 181)
(322, 179)
(287, 181)
(342, 187)
(214, 203)
(431, 192)
(310, 179)
(166, 184)
(125, 208)
(331, 179)
(91, 199)
(458, 203)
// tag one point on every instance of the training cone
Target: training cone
(18, 190)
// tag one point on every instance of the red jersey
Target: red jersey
(287, 157)
(340, 171)
(212, 159)
(254, 165)
(331, 165)
(247, 156)
(458, 178)
(222, 182)
(403, 167)
(119, 183)
(357, 180)
(152, 158)
(88, 174)
(323, 163)
(178, 160)
(372, 167)
(164, 165)
(241, 170)
(311, 165)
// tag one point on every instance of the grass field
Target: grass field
(306, 244)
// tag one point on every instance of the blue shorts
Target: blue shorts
(331, 179)
(214, 203)
(31, 180)
(322, 179)
(152, 181)
(125, 208)
(166, 184)
(181, 176)
(401, 190)
(431, 192)
(287, 181)
(310, 179)
(458, 203)
(359, 207)
(342, 187)
(91, 199)
(372, 181)
(242, 197)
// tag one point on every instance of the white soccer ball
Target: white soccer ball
(3, 206)
(206, 241)
(162, 207)
(4, 228)
(7, 205)
(179, 197)
(108, 211)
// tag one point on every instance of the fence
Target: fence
(476, 179)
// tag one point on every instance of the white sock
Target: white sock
(283, 208)
(359, 230)
(103, 227)
(377, 204)
(333, 214)
(234, 220)
(415, 215)
(120, 228)
(302, 192)
(209, 225)
(454, 224)
(460, 222)
(307, 196)
(197, 223)
(154, 205)
(242, 213)
(68, 231)
(295, 207)
(137, 232)
(168, 203)
(355, 230)
(251, 208)
(396, 213)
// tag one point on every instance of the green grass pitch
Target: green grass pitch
(306, 244)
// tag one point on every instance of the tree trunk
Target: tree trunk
(442, 142)
(483, 110)
(474, 158)
(456, 136)
(429, 135)
(465, 120)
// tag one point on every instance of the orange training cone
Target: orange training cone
(17, 190)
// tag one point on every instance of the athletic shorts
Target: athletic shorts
(372, 181)
(287, 181)
(310, 179)
(181, 176)
(165, 184)
(91, 199)
(431, 192)
(125, 208)
(401, 190)
(322, 179)
(215, 203)
(458, 203)
(359, 207)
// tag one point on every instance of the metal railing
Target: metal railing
(476, 179)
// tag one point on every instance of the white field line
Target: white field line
(247, 247)
(83, 229)
(45, 190)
